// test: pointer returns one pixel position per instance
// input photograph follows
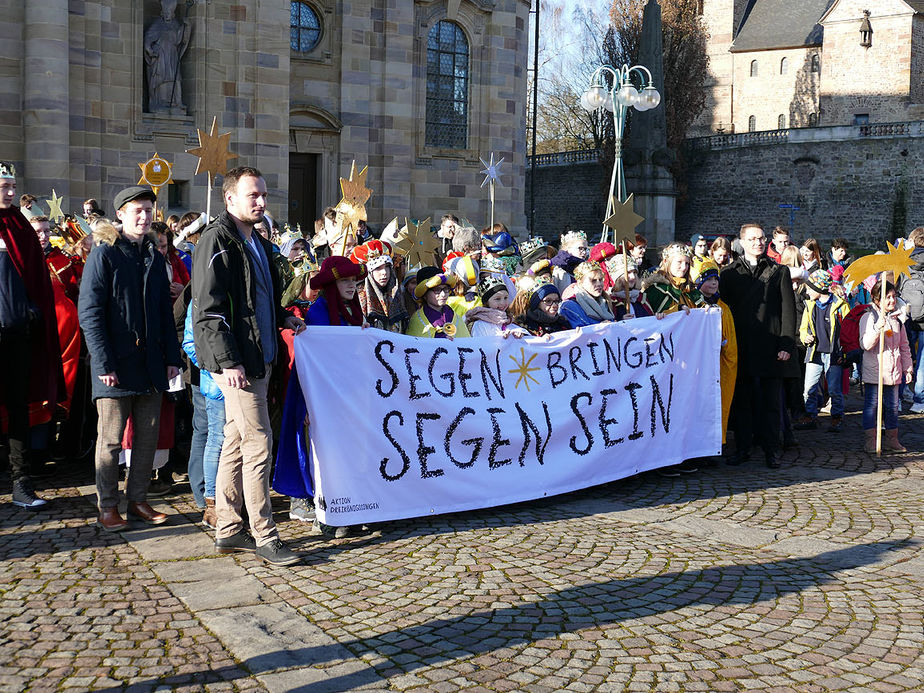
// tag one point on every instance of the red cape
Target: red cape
(46, 383)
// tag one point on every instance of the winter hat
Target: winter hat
(696, 238)
(601, 253)
(837, 274)
(463, 267)
(489, 286)
(333, 268)
(429, 278)
(820, 281)
(373, 254)
(540, 292)
(705, 270)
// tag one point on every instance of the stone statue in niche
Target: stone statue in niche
(165, 42)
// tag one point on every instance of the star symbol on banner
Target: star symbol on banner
(213, 151)
(417, 244)
(54, 206)
(523, 369)
(491, 170)
(623, 221)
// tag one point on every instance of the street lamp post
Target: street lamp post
(612, 90)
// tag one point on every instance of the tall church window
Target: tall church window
(447, 86)
(753, 68)
(304, 28)
(752, 124)
(816, 64)
(781, 122)
(784, 66)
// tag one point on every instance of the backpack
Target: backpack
(912, 293)
(850, 334)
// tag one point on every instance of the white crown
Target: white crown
(7, 170)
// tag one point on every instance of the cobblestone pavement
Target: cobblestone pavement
(805, 578)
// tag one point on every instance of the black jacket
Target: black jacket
(224, 293)
(763, 307)
(126, 316)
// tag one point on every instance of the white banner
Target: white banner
(405, 427)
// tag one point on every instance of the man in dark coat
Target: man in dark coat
(127, 320)
(236, 316)
(28, 335)
(759, 294)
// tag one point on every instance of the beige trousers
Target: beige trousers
(245, 462)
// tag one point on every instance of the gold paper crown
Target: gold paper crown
(586, 268)
(676, 249)
(7, 170)
(489, 282)
(573, 236)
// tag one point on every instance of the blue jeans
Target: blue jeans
(812, 391)
(919, 370)
(889, 406)
(200, 425)
(216, 436)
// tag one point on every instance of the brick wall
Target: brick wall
(568, 197)
(844, 188)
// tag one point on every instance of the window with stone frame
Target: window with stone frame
(752, 124)
(304, 28)
(781, 122)
(816, 64)
(753, 68)
(813, 120)
(447, 86)
(784, 66)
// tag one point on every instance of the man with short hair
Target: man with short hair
(25, 201)
(90, 208)
(127, 320)
(28, 335)
(839, 249)
(759, 293)
(780, 241)
(236, 314)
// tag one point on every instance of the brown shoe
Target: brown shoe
(210, 517)
(890, 441)
(144, 512)
(110, 520)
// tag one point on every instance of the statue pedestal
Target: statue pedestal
(656, 200)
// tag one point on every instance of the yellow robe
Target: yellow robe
(728, 364)
(421, 327)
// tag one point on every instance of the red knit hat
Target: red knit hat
(600, 253)
(333, 268)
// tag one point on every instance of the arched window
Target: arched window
(304, 28)
(752, 124)
(447, 86)
(813, 119)
(784, 66)
(781, 122)
(753, 68)
(816, 63)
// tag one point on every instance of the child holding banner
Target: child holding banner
(590, 304)
(491, 318)
(435, 318)
(540, 316)
(669, 288)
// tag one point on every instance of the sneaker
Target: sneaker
(241, 542)
(159, 488)
(277, 553)
(300, 510)
(25, 497)
(917, 408)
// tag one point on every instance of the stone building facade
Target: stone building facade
(778, 64)
(73, 112)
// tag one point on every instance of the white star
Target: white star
(491, 170)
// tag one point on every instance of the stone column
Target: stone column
(46, 115)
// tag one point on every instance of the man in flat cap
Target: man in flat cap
(127, 320)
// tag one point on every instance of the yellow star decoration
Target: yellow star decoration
(213, 152)
(417, 244)
(54, 206)
(623, 221)
(897, 260)
(523, 369)
(352, 208)
(156, 172)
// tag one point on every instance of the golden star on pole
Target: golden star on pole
(54, 206)
(897, 260)
(417, 244)
(213, 151)
(623, 221)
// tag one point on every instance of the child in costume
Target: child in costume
(881, 322)
(538, 310)
(465, 295)
(590, 304)
(670, 288)
(707, 281)
(620, 279)
(380, 293)
(574, 250)
(491, 318)
(435, 318)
